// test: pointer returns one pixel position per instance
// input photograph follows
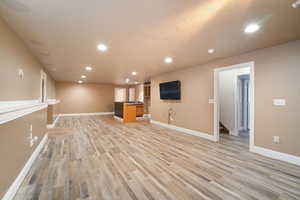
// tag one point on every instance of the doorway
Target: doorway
(43, 87)
(243, 105)
(234, 101)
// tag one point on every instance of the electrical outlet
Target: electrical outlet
(276, 139)
(33, 140)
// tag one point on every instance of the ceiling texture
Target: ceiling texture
(64, 34)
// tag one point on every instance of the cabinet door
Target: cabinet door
(129, 114)
(140, 111)
(147, 89)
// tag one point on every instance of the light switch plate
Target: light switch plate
(276, 139)
(279, 102)
(21, 73)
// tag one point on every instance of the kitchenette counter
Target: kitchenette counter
(129, 111)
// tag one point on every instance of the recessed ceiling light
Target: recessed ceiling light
(134, 73)
(83, 76)
(88, 68)
(168, 60)
(136, 82)
(80, 81)
(127, 80)
(210, 51)
(251, 28)
(296, 4)
(102, 47)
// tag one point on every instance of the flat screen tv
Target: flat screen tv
(170, 90)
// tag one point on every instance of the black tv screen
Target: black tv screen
(170, 90)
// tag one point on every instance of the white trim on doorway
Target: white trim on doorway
(43, 86)
(217, 103)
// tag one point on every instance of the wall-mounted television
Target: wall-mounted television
(170, 90)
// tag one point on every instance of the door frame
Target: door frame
(251, 99)
(43, 88)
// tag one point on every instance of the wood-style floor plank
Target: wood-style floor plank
(98, 158)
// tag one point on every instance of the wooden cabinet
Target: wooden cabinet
(140, 110)
(129, 113)
(147, 90)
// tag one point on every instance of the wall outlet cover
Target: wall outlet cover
(279, 102)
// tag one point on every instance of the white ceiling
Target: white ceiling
(140, 33)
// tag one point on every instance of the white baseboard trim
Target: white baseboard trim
(118, 118)
(276, 155)
(147, 115)
(141, 118)
(53, 124)
(121, 119)
(11, 192)
(86, 114)
(185, 130)
(52, 101)
(234, 133)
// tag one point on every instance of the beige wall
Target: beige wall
(84, 98)
(14, 142)
(277, 72)
(13, 56)
(15, 147)
(51, 88)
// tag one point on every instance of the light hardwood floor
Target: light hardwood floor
(100, 158)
